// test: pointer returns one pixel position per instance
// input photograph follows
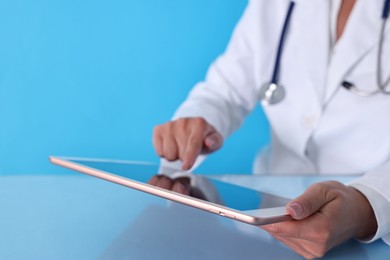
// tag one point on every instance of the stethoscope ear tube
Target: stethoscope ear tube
(351, 87)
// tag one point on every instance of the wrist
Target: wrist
(366, 221)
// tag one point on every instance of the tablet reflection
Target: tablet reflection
(217, 192)
(183, 185)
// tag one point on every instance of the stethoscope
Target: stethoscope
(272, 92)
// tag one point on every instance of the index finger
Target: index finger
(195, 144)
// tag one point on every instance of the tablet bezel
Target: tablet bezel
(254, 217)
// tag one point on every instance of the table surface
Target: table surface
(80, 217)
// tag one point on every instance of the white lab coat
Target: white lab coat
(320, 127)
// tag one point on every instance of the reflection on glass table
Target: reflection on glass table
(231, 201)
(78, 217)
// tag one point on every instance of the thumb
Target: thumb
(313, 199)
(212, 142)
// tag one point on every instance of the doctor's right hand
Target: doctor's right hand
(185, 139)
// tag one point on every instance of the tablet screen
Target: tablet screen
(224, 194)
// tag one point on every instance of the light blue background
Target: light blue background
(92, 78)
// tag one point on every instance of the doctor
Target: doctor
(320, 70)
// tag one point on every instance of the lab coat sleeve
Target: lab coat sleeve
(228, 93)
(375, 186)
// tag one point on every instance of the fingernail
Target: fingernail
(211, 143)
(296, 209)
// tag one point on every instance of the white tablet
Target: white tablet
(227, 200)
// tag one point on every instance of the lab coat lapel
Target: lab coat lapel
(304, 65)
(360, 36)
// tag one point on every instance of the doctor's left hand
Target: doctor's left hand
(325, 215)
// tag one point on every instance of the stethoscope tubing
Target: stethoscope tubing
(386, 10)
(273, 87)
(282, 40)
(379, 77)
(380, 82)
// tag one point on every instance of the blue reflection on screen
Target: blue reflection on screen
(230, 195)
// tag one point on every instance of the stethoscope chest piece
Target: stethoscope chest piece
(271, 93)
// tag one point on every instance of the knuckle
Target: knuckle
(169, 126)
(317, 187)
(333, 184)
(181, 122)
(327, 185)
(333, 189)
(194, 140)
(180, 127)
(157, 129)
(199, 120)
(178, 124)
(200, 123)
(162, 129)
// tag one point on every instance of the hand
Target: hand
(185, 139)
(180, 185)
(324, 216)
